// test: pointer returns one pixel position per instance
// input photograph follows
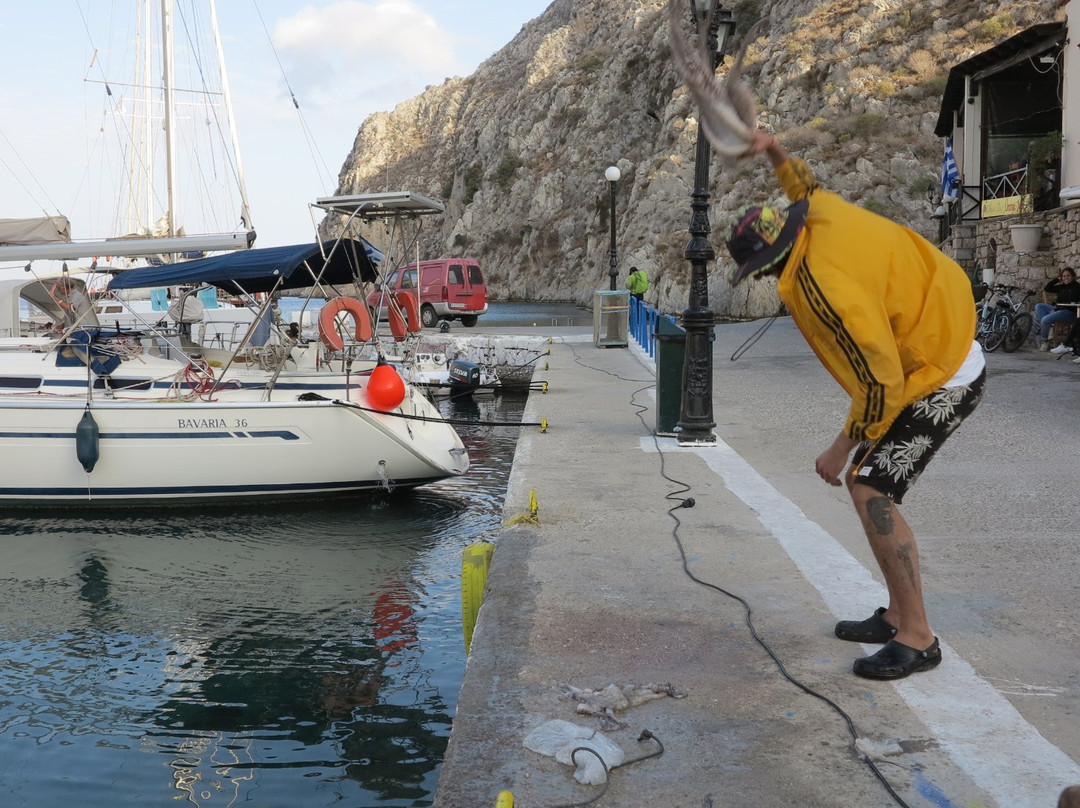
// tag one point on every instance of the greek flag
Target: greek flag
(950, 176)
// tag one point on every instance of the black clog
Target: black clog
(873, 629)
(896, 660)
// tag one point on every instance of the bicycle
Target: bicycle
(1020, 323)
(1002, 320)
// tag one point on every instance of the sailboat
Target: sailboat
(98, 411)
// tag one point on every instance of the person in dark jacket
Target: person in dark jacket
(1066, 290)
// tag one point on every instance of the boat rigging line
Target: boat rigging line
(321, 168)
(542, 423)
(752, 339)
(30, 171)
(231, 157)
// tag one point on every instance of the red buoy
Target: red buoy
(385, 389)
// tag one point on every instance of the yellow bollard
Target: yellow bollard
(530, 516)
(504, 800)
(475, 561)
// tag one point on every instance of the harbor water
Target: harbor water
(499, 313)
(272, 656)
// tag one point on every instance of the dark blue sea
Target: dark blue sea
(301, 655)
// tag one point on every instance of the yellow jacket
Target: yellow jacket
(637, 282)
(889, 315)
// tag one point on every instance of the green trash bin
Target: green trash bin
(670, 351)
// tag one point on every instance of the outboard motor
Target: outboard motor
(464, 377)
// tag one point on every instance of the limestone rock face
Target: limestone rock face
(517, 151)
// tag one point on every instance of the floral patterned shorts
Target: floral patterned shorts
(894, 462)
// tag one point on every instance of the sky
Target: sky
(341, 61)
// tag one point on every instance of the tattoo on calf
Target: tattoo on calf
(903, 552)
(879, 509)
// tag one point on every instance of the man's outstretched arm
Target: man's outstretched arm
(767, 144)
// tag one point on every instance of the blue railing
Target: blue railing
(643, 318)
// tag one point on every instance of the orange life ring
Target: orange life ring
(328, 330)
(404, 317)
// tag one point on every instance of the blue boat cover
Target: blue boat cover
(261, 270)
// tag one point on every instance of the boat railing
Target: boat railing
(14, 342)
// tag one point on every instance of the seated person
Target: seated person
(1066, 290)
(71, 297)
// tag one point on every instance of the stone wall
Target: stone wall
(1060, 247)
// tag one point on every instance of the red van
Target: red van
(449, 289)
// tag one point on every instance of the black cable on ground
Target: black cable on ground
(689, 502)
(577, 359)
(644, 736)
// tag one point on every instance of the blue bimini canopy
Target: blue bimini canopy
(262, 270)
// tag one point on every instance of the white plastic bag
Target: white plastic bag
(558, 739)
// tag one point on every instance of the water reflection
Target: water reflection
(300, 655)
(524, 314)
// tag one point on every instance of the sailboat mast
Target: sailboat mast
(142, 213)
(245, 207)
(140, 181)
(170, 103)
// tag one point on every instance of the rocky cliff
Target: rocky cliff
(517, 151)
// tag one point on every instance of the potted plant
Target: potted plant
(1026, 235)
(1044, 156)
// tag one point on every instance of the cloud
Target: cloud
(352, 49)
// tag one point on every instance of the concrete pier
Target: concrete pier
(730, 603)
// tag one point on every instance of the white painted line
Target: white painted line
(981, 731)
(642, 355)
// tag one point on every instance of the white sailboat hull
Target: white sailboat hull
(198, 451)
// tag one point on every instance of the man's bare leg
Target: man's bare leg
(897, 555)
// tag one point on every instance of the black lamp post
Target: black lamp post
(612, 174)
(696, 424)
